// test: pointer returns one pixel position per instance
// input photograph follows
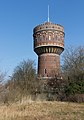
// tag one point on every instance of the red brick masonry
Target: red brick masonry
(48, 44)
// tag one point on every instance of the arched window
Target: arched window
(58, 37)
(46, 37)
(55, 37)
(43, 38)
(49, 37)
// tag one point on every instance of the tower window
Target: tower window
(49, 37)
(43, 37)
(45, 71)
(58, 38)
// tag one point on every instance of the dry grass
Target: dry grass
(42, 111)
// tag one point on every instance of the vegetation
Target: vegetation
(24, 77)
(2, 92)
(18, 94)
(22, 83)
(66, 86)
(42, 111)
(73, 71)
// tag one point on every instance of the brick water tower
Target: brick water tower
(48, 45)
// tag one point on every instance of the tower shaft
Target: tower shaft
(48, 65)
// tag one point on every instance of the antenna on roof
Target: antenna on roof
(48, 14)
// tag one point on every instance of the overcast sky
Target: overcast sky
(19, 17)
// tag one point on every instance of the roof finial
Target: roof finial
(48, 14)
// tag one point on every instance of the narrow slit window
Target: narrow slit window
(45, 71)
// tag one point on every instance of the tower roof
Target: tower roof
(49, 23)
(47, 26)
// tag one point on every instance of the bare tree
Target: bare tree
(2, 88)
(22, 82)
(73, 70)
(73, 64)
(24, 75)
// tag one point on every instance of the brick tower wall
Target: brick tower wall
(48, 65)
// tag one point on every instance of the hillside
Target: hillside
(42, 111)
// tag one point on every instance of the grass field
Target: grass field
(42, 111)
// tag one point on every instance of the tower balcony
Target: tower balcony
(48, 49)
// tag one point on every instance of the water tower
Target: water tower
(48, 45)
